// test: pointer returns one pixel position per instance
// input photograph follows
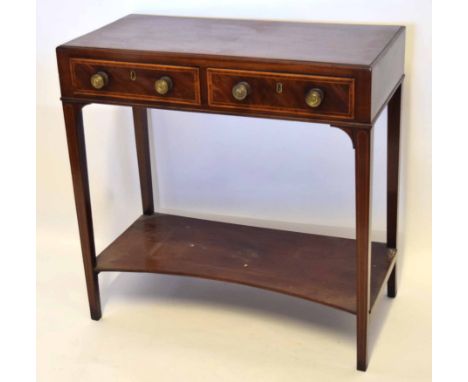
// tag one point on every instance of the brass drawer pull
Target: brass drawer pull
(314, 97)
(241, 90)
(99, 80)
(163, 85)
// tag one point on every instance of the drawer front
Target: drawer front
(281, 93)
(126, 80)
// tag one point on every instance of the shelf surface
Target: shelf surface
(314, 267)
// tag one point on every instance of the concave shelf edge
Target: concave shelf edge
(313, 267)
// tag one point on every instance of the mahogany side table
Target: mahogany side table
(340, 75)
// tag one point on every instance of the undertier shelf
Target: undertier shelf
(313, 267)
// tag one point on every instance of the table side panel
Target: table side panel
(387, 71)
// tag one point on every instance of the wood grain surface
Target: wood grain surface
(301, 41)
(314, 267)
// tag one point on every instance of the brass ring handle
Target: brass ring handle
(163, 85)
(241, 90)
(99, 80)
(314, 97)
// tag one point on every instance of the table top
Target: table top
(346, 44)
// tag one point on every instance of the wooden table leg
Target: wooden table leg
(363, 143)
(393, 152)
(140, 121)
(77, 153)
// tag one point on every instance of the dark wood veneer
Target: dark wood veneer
(349, 51)
(346, 44)
(359, 69)
(186, 84)
(314, 267)
(338, 101)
